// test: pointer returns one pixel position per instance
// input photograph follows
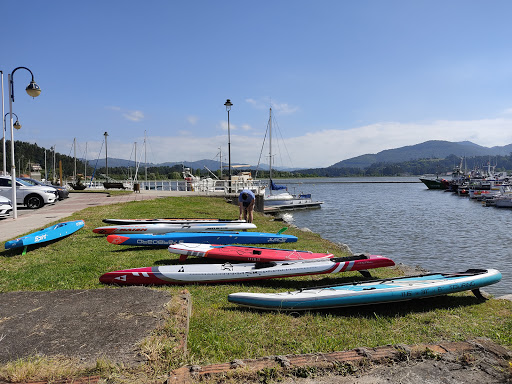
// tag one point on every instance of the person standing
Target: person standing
(246, 201)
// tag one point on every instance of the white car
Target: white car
(5, 207)
(32, 196)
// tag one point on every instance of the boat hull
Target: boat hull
(435, 183)
(227, 272)
(201, 237)
(371, 292)
(48, 234)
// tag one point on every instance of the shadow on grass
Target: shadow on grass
(385, 310)
(18, 251)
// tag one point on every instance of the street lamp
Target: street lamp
(3, 129)
(228, 105)
(34, 91)
(16, 125)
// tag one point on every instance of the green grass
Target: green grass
(220, 331)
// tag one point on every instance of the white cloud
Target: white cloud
(283, 108)
(134, 115)
(313, 150)
(129, 115)
(192, 120)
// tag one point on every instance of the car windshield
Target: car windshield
(23, 182)
(31, 182)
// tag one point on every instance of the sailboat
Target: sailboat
(277, 196)
(77, 184)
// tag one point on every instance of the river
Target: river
(401, 219)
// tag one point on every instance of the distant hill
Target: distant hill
(433, 149)
(200, 164)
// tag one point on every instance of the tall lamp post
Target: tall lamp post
(3, 129)
(34, 91)
(16, 125)
(228, 105)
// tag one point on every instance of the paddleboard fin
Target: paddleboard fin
(25, 248)
(365, 273)
(478, 294)
(282, 230)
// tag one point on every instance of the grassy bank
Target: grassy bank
(220, 331)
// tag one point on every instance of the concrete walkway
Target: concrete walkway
(32, 219)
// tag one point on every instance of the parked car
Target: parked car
(5, 207)
(62, 192)
(32, 196)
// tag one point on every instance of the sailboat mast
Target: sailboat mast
(85, 161)
(270, 144)
(106, 156)
(74, 152)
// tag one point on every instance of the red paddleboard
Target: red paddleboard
(227, 272)
(241, 253)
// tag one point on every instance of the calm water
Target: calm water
(438, 231)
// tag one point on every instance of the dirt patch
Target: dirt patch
(88, 324)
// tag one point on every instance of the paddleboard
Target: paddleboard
(370, 292)
(213, 237)
(174, 220)
(227, 272)
(54, 232)
(173, 227)
(241, 253)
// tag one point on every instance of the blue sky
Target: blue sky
(344, 78)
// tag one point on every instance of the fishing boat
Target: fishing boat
(227, 272)
(435, 182)
(371, 292)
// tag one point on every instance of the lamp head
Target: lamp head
(17, 124)
(228, 104)
(33, 89)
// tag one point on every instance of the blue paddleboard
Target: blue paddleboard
(213, 237)
(54, 232)
(370, 292)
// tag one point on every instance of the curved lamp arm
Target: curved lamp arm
(32, 89)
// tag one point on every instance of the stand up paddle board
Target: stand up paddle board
(241, 253)
(173, 227)
(201, 237)
(371, 292)
(227, 272)
(54, 232)
(173, 220)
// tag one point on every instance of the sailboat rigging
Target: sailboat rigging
(283, 199)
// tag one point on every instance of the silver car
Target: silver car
(5, 207)
(32, 196)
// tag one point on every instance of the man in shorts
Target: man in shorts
(246, 201)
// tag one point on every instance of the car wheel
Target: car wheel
(34, 201)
